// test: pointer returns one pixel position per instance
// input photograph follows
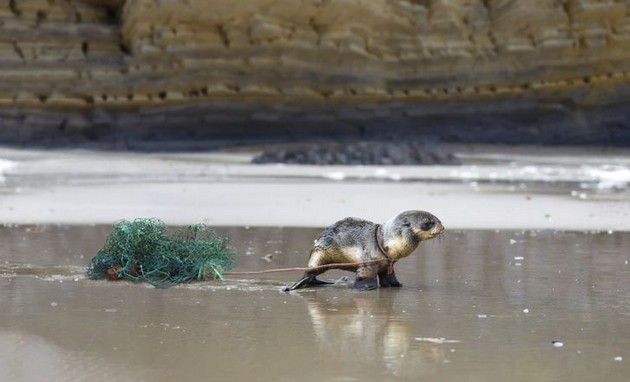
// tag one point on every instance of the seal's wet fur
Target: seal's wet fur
(354, 240)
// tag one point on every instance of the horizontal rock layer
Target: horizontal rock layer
(507, 70)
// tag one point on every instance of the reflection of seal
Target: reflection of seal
(354, 240)
(374, 334)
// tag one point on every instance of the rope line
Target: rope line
(325, 266)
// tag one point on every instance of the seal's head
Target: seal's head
(403, 233)
(423, 225)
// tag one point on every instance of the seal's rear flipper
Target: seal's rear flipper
(307, 280)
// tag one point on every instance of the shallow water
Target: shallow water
(475, 306)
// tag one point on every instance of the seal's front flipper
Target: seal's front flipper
(306, 281)
(387, 279)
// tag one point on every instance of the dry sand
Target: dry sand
(495, 188)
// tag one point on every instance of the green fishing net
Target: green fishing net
(142, 250)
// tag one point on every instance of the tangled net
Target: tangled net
(142, 251)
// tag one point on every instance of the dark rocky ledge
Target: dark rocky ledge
(358, 153)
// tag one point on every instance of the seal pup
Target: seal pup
(354, 240)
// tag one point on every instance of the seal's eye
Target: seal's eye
(427, 225)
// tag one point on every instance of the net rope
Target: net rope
(143, 250)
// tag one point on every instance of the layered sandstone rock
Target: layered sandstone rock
(211, 68)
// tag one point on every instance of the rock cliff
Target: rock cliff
(498, 70)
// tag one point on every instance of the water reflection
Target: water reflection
(367, 326)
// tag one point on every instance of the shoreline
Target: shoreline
(495, 188)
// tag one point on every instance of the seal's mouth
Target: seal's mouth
(433, 232)
(436, 231)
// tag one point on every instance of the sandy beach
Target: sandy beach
(494, 188)
(510, 292)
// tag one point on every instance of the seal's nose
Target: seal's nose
(438, 229)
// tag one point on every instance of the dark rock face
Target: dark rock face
(358, 153)
(136, 73)
(212, 125)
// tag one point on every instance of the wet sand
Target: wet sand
(475, 306)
